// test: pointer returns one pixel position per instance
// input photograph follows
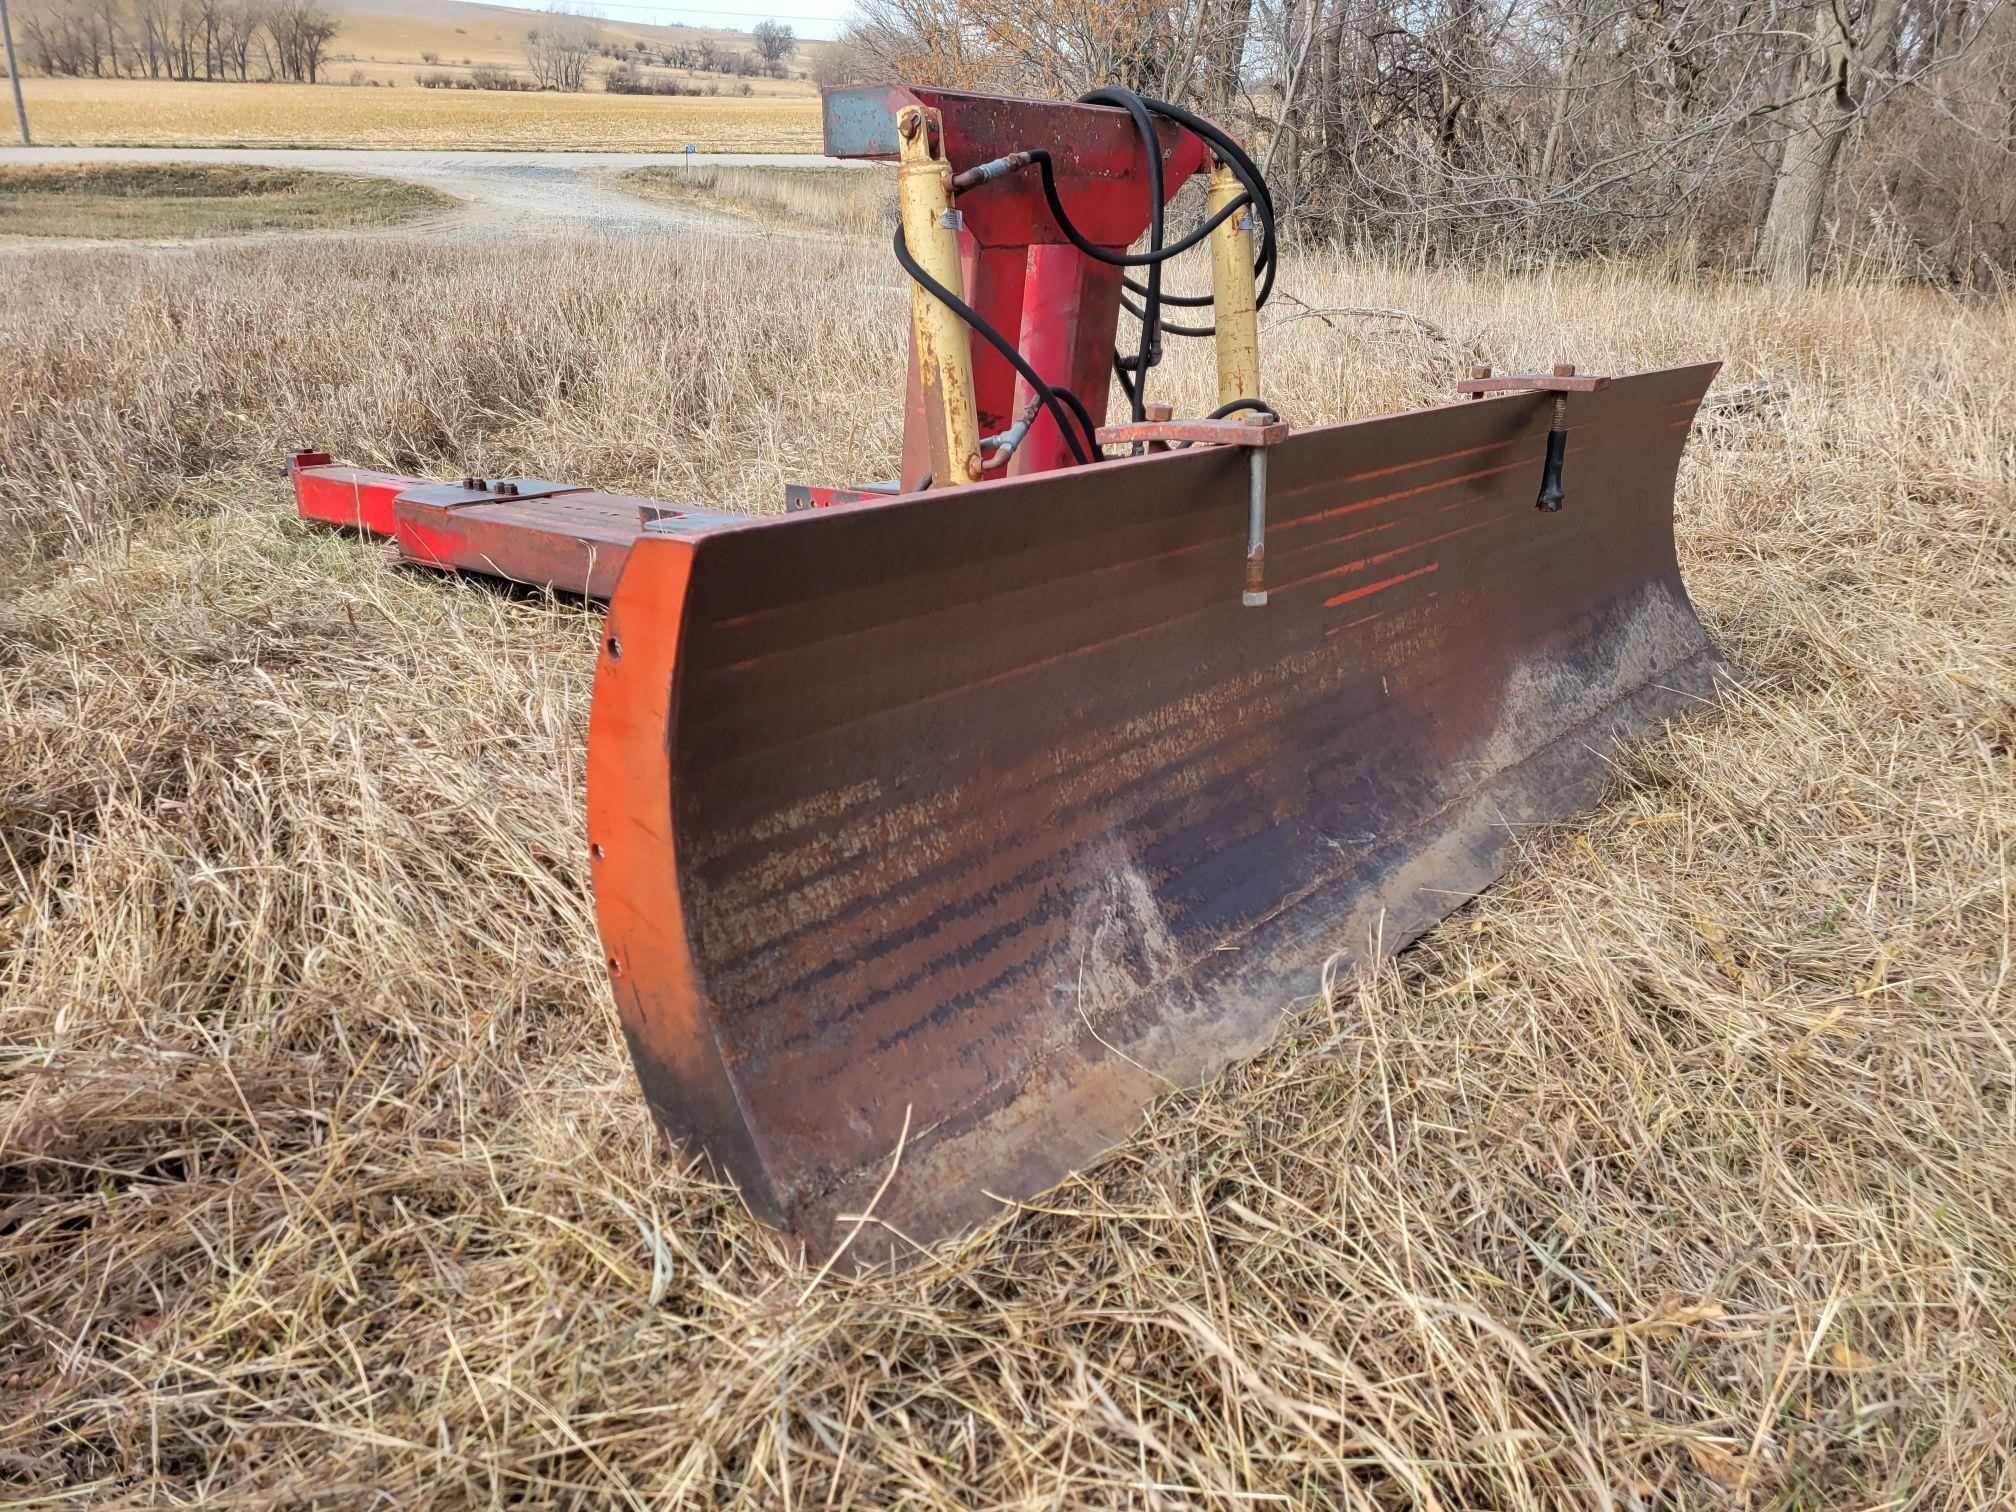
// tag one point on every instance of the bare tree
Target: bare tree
(299, 32)
(774, 41)
(1848, 49)
(558, 50)
(151, 31)
(842, 62)
(1045, 48)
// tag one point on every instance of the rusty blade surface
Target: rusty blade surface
(994, 810)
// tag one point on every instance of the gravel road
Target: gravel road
(506, 196)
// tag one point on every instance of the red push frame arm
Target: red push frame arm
(1021, 274)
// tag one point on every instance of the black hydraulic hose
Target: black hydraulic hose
(1250, 179)
(1131, 372)
(1065, 407)
(1149, 311)
(1070, 397)
(1153, 256)
(1136, 409)
(1236, 406)
(1149, 353)
(1225, 412)
(1228, 151)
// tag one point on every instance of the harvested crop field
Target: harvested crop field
(1675, 1171)
(118, 201)
(165, 113)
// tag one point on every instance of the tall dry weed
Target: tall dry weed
(1675, 1171)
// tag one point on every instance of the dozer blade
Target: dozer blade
(991, 814)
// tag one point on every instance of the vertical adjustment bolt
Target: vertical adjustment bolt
(1254, 594)
(1153, 412)
(1552, 497)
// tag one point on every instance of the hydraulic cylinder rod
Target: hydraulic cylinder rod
(938, 337)
(1232, 291)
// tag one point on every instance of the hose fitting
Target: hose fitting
(972, 178)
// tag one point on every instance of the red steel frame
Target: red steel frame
(1021, 274)
(525, 530)
(863, 789)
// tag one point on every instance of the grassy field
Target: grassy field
(117, 201)
(835, 200)
(163, 113)
(1675, 1172)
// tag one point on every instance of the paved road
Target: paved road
(507, 196)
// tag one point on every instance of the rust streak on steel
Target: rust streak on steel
(1232, 432)
(1384, 583)
(1556, 382)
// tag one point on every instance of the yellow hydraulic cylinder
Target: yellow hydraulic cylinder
(938, 337)
(1232, 291)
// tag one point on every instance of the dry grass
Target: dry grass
(164, 113)
(844, 201)
(120, 201)
(1680, 1170)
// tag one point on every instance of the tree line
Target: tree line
(289, 39)
(560, 48)
(1774, 134)
(772, 43)
(178, 39)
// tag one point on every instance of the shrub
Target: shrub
(629, 79)
(484, 76)
(489, 76)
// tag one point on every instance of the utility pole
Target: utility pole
(14, 75)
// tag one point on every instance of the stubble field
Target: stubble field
(167, 113)
(1677, 1171)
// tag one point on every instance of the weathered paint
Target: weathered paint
(1095, 153)
(1233, 293)
(355, 498)
(997, 812)
(523, 530)
(1019, 273)
(938, 337)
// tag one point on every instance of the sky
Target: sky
(818, 19)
